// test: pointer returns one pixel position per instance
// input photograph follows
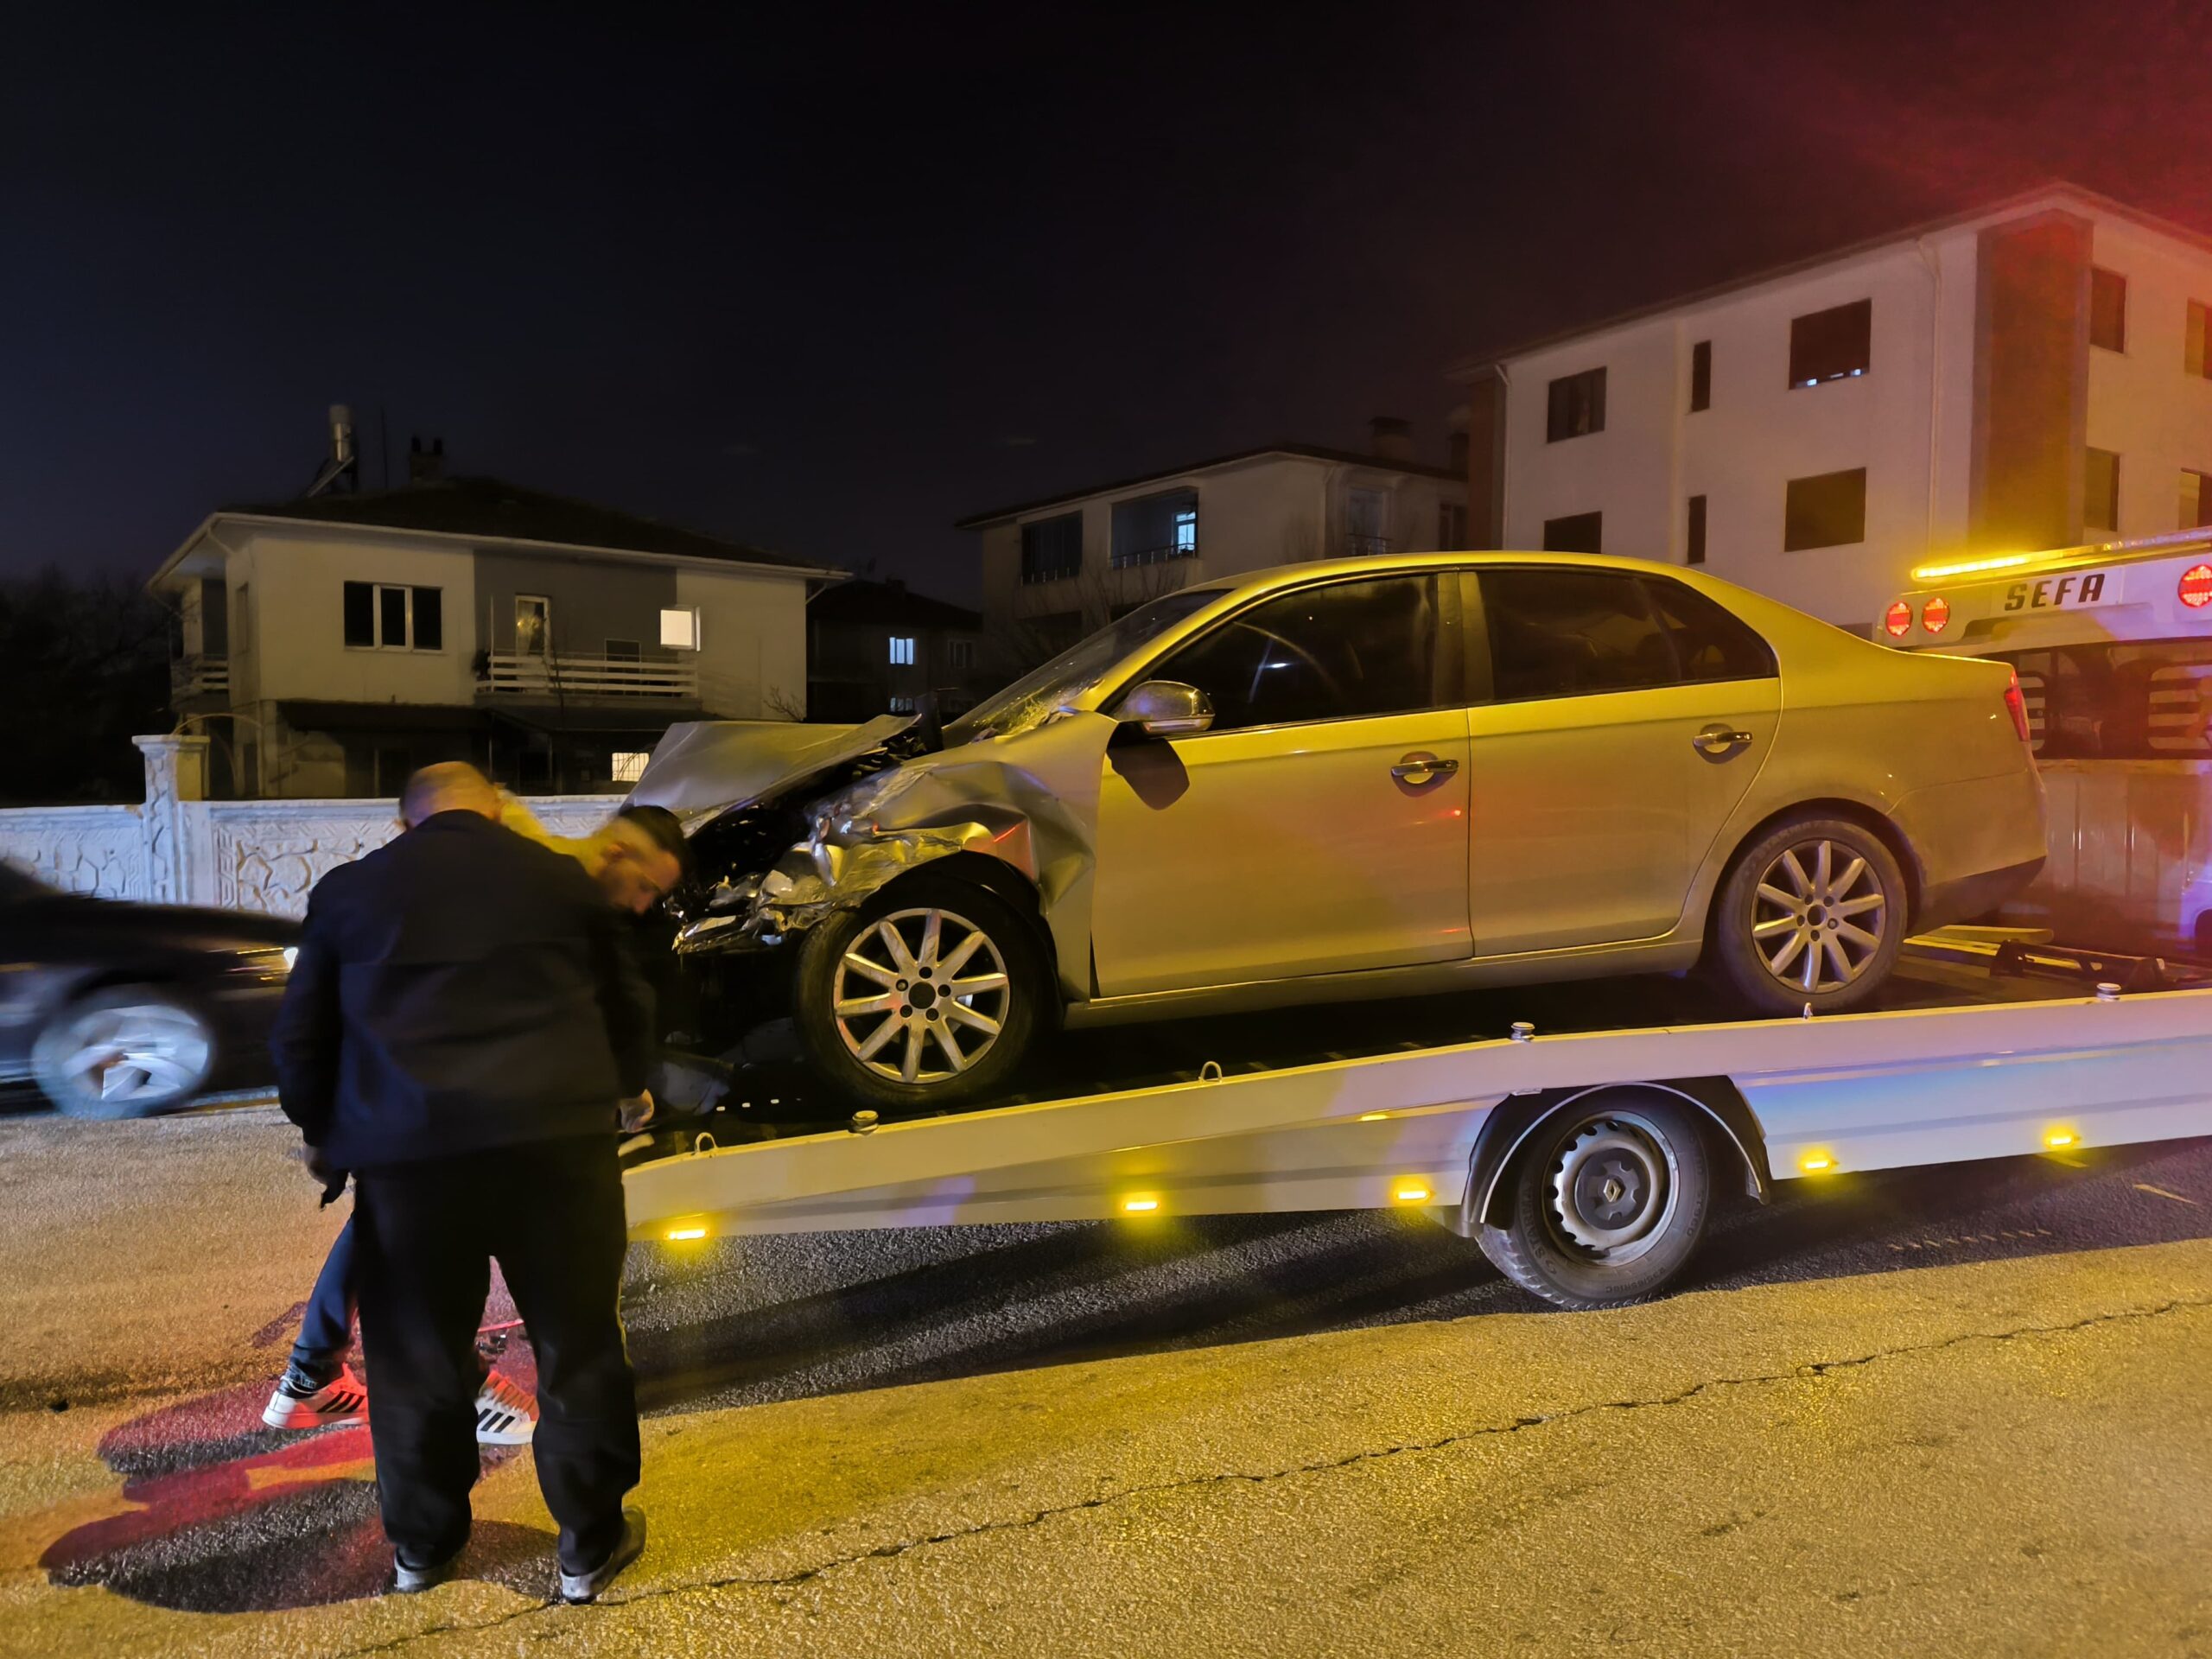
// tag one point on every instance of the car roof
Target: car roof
(1399, 563)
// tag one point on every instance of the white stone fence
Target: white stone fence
(180, 849)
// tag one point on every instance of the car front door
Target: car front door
(1320, 825)
(1627, 716)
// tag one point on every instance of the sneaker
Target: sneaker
(505, 1414)
(414, 1581)
(580, 1587)
(300, 1403)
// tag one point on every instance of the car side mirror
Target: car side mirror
(1166, 708)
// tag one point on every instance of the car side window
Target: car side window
(1562, 633)
(1335, 652)
(1709, 642)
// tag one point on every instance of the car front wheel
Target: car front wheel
(931, 993)
(128, 1051)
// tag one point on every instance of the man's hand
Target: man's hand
(326, 1175)
(636, 1112)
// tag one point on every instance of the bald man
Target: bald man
(463, 1017)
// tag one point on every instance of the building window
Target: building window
(902, 649)
(1700, 375)
(1828, 509)
(902, 705)
(1367, 519)
(1451, 527)
(2196, 499)
(533, 625)
(1694, 544)
(1578, 533)
(627, 766)
(1051, 547)
(1836, 344)
(2194, 358)
(679, 629)
(2100, 490)
(381, 617)
(960, 653)
(1576, 406)
(1153, 528)
(2107, 309)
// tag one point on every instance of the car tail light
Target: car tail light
(2018, 706)
(2196, 589)
(1896, 621)
(1936, 615)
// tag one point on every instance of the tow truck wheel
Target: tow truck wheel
(1812, 911)
(929, 995)
(1608, 1200)
(128, 1051)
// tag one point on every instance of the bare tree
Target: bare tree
(1100, 591)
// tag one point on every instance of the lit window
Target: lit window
(629, 764)
(1186, 531)
(902, 648)
(902, 705)
(679, 629)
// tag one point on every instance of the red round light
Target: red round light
(1896, 621)
(1936, 616)
(2196, 589)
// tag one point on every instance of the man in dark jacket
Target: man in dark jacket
(461, 1020)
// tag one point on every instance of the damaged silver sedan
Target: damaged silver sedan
(1345, 781)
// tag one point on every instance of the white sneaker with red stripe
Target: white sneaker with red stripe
(505, 1414)
(294, 1405)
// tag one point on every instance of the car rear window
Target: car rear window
(1560, 632)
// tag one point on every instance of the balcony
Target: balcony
(1131, 559)
(200, 676)
(595, 679)
(1357, 546)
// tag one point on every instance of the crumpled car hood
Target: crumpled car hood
(704, 765)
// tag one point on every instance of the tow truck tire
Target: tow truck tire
(1776, 906)
(842, 967)
(129, 1051)
(1608, 1200)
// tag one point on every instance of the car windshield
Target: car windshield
(1036, 694)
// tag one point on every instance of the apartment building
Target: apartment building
(878, 647)
(331, 644)
(1055, 569)
(2033, 373)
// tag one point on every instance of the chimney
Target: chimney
(1390, 437)
(425, 465)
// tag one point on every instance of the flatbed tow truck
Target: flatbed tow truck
(1582, 1156)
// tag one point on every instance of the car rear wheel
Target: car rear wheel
(1608, 1201)
(930, 994)
(127, 1051)
(1812, 913)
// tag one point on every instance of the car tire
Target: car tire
(128, 1051)
(1811, 890)
(1608, 1200)
(899, 1056)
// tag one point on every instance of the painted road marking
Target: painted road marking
(2145, 1186)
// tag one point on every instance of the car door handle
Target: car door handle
(1718, 740)
(1422, 768)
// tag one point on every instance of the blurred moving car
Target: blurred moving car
(1369, 778)
(121, 1010)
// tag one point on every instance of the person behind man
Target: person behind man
(637, 857)
(461, 1020)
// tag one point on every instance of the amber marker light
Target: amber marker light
(1411, 1192)
(1139, 1206)
(1817, 1163)
(678, 1234)
(2058, 1139)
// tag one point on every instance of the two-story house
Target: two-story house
(1055, 569)
(334, 644)
(2030, 373)
(877, 648)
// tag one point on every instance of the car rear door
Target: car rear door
(1320, 825)
(1624, 720)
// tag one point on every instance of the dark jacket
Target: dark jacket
(459, 988)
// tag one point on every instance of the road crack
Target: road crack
(897, 1548)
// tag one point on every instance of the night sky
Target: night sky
(826, 278)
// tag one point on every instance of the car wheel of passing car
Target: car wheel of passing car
(129, 1051)
(1812, 911)
(929, 995)
(1608, 1197)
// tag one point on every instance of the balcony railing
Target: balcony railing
(509, 673)
(1129, 558)
(1357, 546)
(200, 676)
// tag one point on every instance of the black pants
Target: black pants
(551, 1214)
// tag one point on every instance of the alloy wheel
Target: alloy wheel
(1819, 917)
(137, 1054)
(920, 996)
